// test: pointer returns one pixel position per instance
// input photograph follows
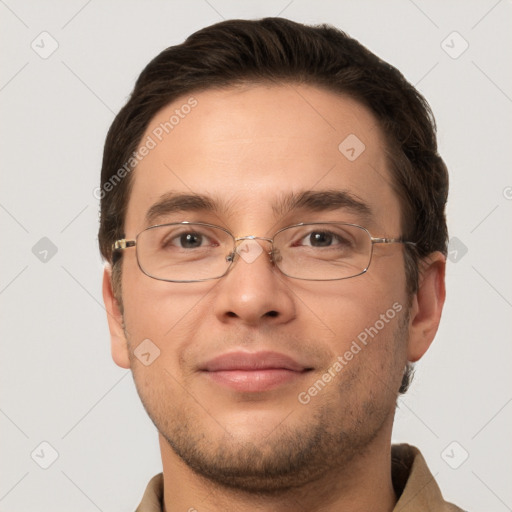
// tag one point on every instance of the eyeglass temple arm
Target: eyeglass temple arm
(123, 244)
(390, 241)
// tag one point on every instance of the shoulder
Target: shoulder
(152, 501)
(414, 484)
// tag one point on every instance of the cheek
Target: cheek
(153, 305)
(167, 314)
(349, 307)
(374, 352)
(365, 333)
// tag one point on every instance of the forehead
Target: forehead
(251, 146)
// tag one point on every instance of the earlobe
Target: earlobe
(118, 341)
(427, 305)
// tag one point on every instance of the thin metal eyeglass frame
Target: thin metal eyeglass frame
(123, 243)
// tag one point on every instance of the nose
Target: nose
(254, 291)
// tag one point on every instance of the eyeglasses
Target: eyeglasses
(186, 252)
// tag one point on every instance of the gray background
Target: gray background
(59, 384)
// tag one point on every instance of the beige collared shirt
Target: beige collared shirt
(412, 480)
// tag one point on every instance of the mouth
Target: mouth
(254, 372)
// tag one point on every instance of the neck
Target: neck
(365, 484)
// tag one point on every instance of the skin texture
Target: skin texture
(248, 147)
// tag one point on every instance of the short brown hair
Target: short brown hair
(281, 51)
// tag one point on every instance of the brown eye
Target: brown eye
(191, 240)
(320, 239)
(323, 239)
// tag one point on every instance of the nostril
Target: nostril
(272, 314)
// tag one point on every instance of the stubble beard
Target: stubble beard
(295, 453)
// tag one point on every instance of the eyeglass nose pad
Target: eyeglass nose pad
(275, 256)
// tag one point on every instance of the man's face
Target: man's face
(251, 151)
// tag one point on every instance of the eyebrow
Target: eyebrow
(322, 201)
(173, 202)
(314, 201)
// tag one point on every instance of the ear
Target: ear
(427, 305)
(118, 342)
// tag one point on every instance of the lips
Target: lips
(253, 372)
(253, 361)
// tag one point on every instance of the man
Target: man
(273, 220)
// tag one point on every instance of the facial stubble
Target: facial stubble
(340, 427)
